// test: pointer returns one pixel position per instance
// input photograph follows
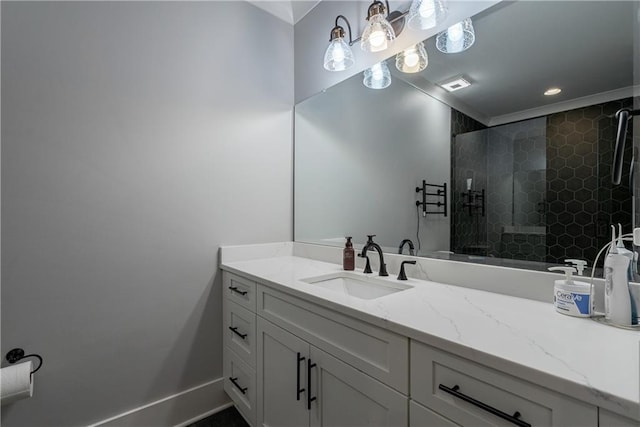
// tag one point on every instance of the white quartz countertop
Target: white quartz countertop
(578, 357)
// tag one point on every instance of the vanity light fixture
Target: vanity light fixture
(413, 59)
(552, 91)
(455, 84)
(378, 76)
(378, 34)
(457, 38)
(425, 14)
(338, 56)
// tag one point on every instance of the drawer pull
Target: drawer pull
(237, 291)
(309, 398)
(298, 389)
(243, 390)
(234, 329)
(515, 418)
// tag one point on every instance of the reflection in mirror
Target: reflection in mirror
(528, 176)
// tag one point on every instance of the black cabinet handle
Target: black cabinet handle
(298, 389)
(235, 331)
(309, 398)
(237, 291)
(243, 390)
(515, 418)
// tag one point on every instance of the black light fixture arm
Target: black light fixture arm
(338, 31)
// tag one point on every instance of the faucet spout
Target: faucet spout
(411, 247)
(373, 245)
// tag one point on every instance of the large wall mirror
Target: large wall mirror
(509, 175)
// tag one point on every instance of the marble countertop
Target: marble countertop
(578, 357)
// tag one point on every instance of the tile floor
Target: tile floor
(230, 417)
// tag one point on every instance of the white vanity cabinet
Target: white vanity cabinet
(301, 385)
(609, 419)
(288, 362)
(295, 361)
(470, 394)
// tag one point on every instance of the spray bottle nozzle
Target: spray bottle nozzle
(568, 271)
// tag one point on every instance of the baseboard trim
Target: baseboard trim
(179, 410)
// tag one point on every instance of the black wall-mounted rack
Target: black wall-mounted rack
(440, 194)
(474, 200)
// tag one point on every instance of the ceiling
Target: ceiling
(525, 47)
(289, 11)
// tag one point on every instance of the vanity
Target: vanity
(308, 344)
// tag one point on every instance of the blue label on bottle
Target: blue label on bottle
(582, 302)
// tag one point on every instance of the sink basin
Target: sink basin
(356, 285)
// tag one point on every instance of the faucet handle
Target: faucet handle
(367, 267)
(402, 275)
(370, 238)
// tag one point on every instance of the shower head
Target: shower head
(623, 116)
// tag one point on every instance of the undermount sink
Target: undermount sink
(356, 285)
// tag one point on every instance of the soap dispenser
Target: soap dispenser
(348, 256)
(571, 297)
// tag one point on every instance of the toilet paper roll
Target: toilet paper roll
(15, 382)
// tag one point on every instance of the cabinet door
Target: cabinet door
(345, 396)
(282, 368)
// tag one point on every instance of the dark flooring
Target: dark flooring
(230, 417)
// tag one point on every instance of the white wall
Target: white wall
(357, 170)
(136, 138)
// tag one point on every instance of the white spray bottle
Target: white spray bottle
(617, 299)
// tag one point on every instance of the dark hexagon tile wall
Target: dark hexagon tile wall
(581, 201)
(570, 191)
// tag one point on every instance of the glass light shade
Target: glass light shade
(425, 14)
(413, 59)
(338, 56)
(457, 38)
(377, 35)
(378, 76)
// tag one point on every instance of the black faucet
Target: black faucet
(403, 275)
(373, 245)
(411, 248)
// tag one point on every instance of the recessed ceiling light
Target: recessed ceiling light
(552, 91)
(456, 83)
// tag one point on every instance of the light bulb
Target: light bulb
(457, 38)
(338, 53)
(411, 58)
(427, 8)
(378, 76)
(377, 39)
(455, 32)
(376, 72)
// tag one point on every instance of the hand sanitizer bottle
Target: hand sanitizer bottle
(571, 297)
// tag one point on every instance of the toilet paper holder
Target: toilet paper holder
(17, 354)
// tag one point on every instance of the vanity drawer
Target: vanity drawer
(240, 385)
(372, 350)
(447, 384)
(420, 416)
(239, 331)
(239, 290)
(609, 419)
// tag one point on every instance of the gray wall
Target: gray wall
(357, 169)
(137, 137)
